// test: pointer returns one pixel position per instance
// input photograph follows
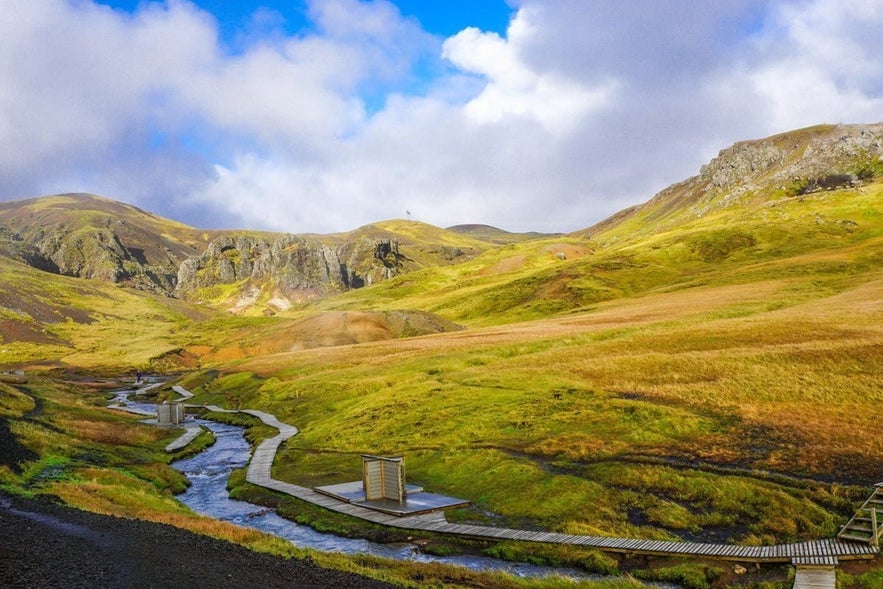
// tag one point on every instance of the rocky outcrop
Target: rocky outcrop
(292, 262)
(283, 268)
(821, 157)
(96, 253)
(787, 165)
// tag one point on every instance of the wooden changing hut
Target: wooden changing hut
(170, 413)
(383, 477)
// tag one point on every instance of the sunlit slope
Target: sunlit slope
(495, 235)
(419, 244)
(58, 320)
(721, 411)
(717, 378)
(92, 237)
(89, 211)
(829, 239)
(759, 172)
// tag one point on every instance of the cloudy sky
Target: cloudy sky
(325, 115)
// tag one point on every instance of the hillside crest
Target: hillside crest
(92, 237)
(823, 157)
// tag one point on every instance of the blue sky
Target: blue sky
(439, 17)
(325, 115)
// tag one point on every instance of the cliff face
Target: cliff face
(282, 269)
(278, 271)
(90, 237)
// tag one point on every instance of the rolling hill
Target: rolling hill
(704, 366)
(779, 214)
(248, 272)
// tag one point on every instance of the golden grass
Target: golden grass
(110, 432)
(122, 495)
(761, 377)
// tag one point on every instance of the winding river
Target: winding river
(209, 471)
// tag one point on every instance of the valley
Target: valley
(704, 367)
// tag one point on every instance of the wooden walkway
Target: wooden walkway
(259, 473)
(813, 578)
(191, 432)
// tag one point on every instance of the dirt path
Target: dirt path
(43, 544)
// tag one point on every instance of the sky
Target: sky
(320, 116)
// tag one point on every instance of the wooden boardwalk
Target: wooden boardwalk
(828, 550)
(185, 394)
(190, 433)
(814, 578)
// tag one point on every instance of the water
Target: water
(209, 471)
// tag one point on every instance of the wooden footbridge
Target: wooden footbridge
(821, 552)
(815, 560)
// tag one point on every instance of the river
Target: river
(209, 471)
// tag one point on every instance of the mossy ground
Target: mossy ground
(107, 462)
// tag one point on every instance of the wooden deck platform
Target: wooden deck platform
(814, 578)
(826, 550)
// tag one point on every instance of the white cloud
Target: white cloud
(79, 82)
(513, 88)
(580, 109)
(812, 63)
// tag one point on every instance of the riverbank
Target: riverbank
(44, 544)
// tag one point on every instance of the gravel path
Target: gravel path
(43, 544)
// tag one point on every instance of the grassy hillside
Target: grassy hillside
(88, 210)
(705, 366)
(712, 413)
(495, 235)
(827, 238)
(61, 321)
(57, 321)
(714, 379)
(420, 244)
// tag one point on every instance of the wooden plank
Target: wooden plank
(815, 579)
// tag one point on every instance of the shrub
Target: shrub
(688, 576)
(715, 246)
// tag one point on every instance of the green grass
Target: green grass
(107, 462)
(594, 423)
(712, 375)
(528, 281)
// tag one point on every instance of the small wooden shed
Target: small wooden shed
(170, 413)
(383, 477)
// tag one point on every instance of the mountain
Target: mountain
(758, 173)
(761, 203)
(788, 204)
(87, 236)
(495, 235)
(63, 259)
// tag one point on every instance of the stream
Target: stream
(209, 471)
